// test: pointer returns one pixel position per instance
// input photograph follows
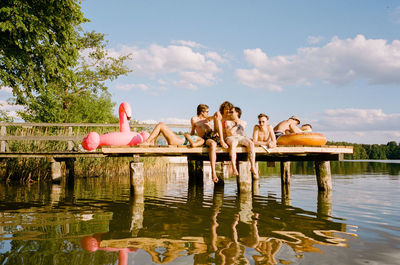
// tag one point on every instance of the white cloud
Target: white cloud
(216, 57)
(6, 89)
(359, 120)
(314, 39)
(167, 121)
(191, 68)
(128, 87)
(10, 109)
(339, 62)
(358, 125)
(188, 43)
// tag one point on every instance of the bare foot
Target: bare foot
(255, 173)
(215, 179)
(235, 172)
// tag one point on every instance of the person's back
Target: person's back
(287, 126)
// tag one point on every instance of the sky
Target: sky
(335, 64)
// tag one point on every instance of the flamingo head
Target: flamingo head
(125, 109)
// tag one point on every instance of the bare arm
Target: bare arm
(192, 129)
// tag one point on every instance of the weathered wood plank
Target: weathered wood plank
(199, 150)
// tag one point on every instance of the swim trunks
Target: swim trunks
(211, 135)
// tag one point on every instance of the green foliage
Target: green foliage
(56, 70)
(391, 150)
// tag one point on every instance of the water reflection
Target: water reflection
(98, 222)
(218, 230)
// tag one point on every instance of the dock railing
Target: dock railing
(68, 133)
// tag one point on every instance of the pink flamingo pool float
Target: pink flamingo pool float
(124, 137)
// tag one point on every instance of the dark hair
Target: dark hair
(201, 108)
(263, 115)
(239, 111)
(224, 105)
(307, 124)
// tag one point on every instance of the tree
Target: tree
(56, 70)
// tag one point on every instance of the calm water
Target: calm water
(97, 222)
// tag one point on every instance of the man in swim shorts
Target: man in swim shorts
(201, 125)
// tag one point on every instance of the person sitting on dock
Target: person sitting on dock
(220, 118)
(235, 135)
(263, 133)
(306, 127)
(287, 127)
(201, 125)
(171, 137)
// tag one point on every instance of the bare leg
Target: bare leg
(218, 128)
(252, 157)
(213, 158)
(232, 152)
(169, 135)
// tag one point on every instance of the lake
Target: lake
(98, 222)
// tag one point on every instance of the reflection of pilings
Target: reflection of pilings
(245, 207)
(244, 180)
(195, 170)
(136, 177)
(285, 173)
(55, 194)
(324, 206)
(218, 195)
(285, 194)
(137, 209)
(323, 173)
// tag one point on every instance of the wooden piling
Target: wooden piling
(136, 177)
(285, 173)
(137, 210)
(324, 205)
(56, 172)
(244, 180)
(323, 174)
(70, 167)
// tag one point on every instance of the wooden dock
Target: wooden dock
(72, 134)
(321, 155)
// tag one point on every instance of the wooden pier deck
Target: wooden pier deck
(321, 155)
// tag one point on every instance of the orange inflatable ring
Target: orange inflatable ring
(306, 138)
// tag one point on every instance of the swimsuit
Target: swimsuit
(210, 134)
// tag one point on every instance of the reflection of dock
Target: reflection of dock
(212, 231)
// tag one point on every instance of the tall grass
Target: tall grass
(30, 170)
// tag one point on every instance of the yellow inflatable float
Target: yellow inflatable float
(306, 138)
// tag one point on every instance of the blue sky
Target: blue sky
(335, 64)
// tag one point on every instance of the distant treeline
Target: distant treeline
(391, 150)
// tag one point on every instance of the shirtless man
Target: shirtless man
(235, 135)
(263, 134)
(201, 125)
(287, 127)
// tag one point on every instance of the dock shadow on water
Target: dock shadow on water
(97, 221)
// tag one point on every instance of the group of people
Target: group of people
(228, 132)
